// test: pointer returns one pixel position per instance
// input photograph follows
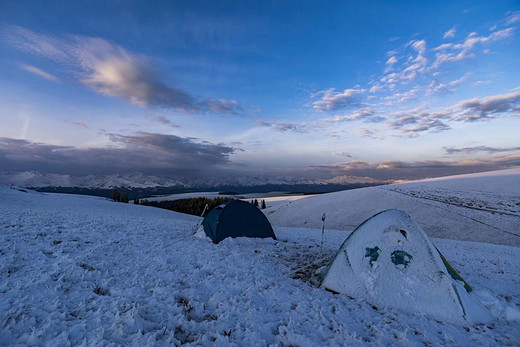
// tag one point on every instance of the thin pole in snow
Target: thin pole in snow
(200, 222)
(322, 231)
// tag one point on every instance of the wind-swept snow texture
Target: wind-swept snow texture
(82, 270)
(389, 261)
(481, 207)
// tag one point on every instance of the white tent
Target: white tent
(390, 262)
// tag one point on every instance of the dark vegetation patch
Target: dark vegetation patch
(194, 206)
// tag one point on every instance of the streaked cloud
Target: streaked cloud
(285, 126)
(450, 33)
(480, 83)
(81, 124)
(110, 70)
(165, 121)
(38, 72)
(440, 88)
(477, 149)
(330, 100)
(412, 122)
(451, 52)
(342, 154)
(513, 17)
(472, 110)
(362, 113)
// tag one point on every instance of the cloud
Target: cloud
(450, 33)
(110, 70)
(387, 170)
(165, 121)
(439, 88)
(477, 149)
(472, 110)
(513, 17)
(412, 122)
(414, 64)
(450, 52)
(390, 63)
(333, 101)
(366, 132)
(38, 72)
(397, 98)
(362, 113)
(480, 83)
(81, 124)
(145, 152)
(342, 154)
(285, 126)
(225, 106)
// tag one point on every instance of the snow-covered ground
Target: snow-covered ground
(86, 271)
(481, 207)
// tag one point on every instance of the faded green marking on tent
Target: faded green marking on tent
(401, 258)
(372, 253)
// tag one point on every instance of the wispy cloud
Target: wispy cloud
(440, 88)
(110, 70)
(450, 33)
(415, 64)
(412, 122)
(472, 110)
(362, 113)
(330, 100)
(477, 149)
(480, 83)
(451, 52)
(342, 154)
(513, 17)
(165, 121)
(38, 72)
(285, 126)
(390, 63)
(81, 124)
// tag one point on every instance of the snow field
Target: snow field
(468, 207)
(86, 271)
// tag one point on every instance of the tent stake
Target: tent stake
(322, 231)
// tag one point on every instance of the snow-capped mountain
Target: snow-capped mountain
(36, 179)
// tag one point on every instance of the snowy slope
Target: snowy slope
(482, 207)
(83, 270)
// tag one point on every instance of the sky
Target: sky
(316, 89)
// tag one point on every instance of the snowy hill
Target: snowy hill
(84, 270)
(35, 179)
(478, 207)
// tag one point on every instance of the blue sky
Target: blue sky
(386, 89)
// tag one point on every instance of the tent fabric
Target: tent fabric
(235, 219)
(390, 262)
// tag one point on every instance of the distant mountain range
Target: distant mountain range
(34, 179)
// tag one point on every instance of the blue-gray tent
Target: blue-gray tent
(235, 219)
